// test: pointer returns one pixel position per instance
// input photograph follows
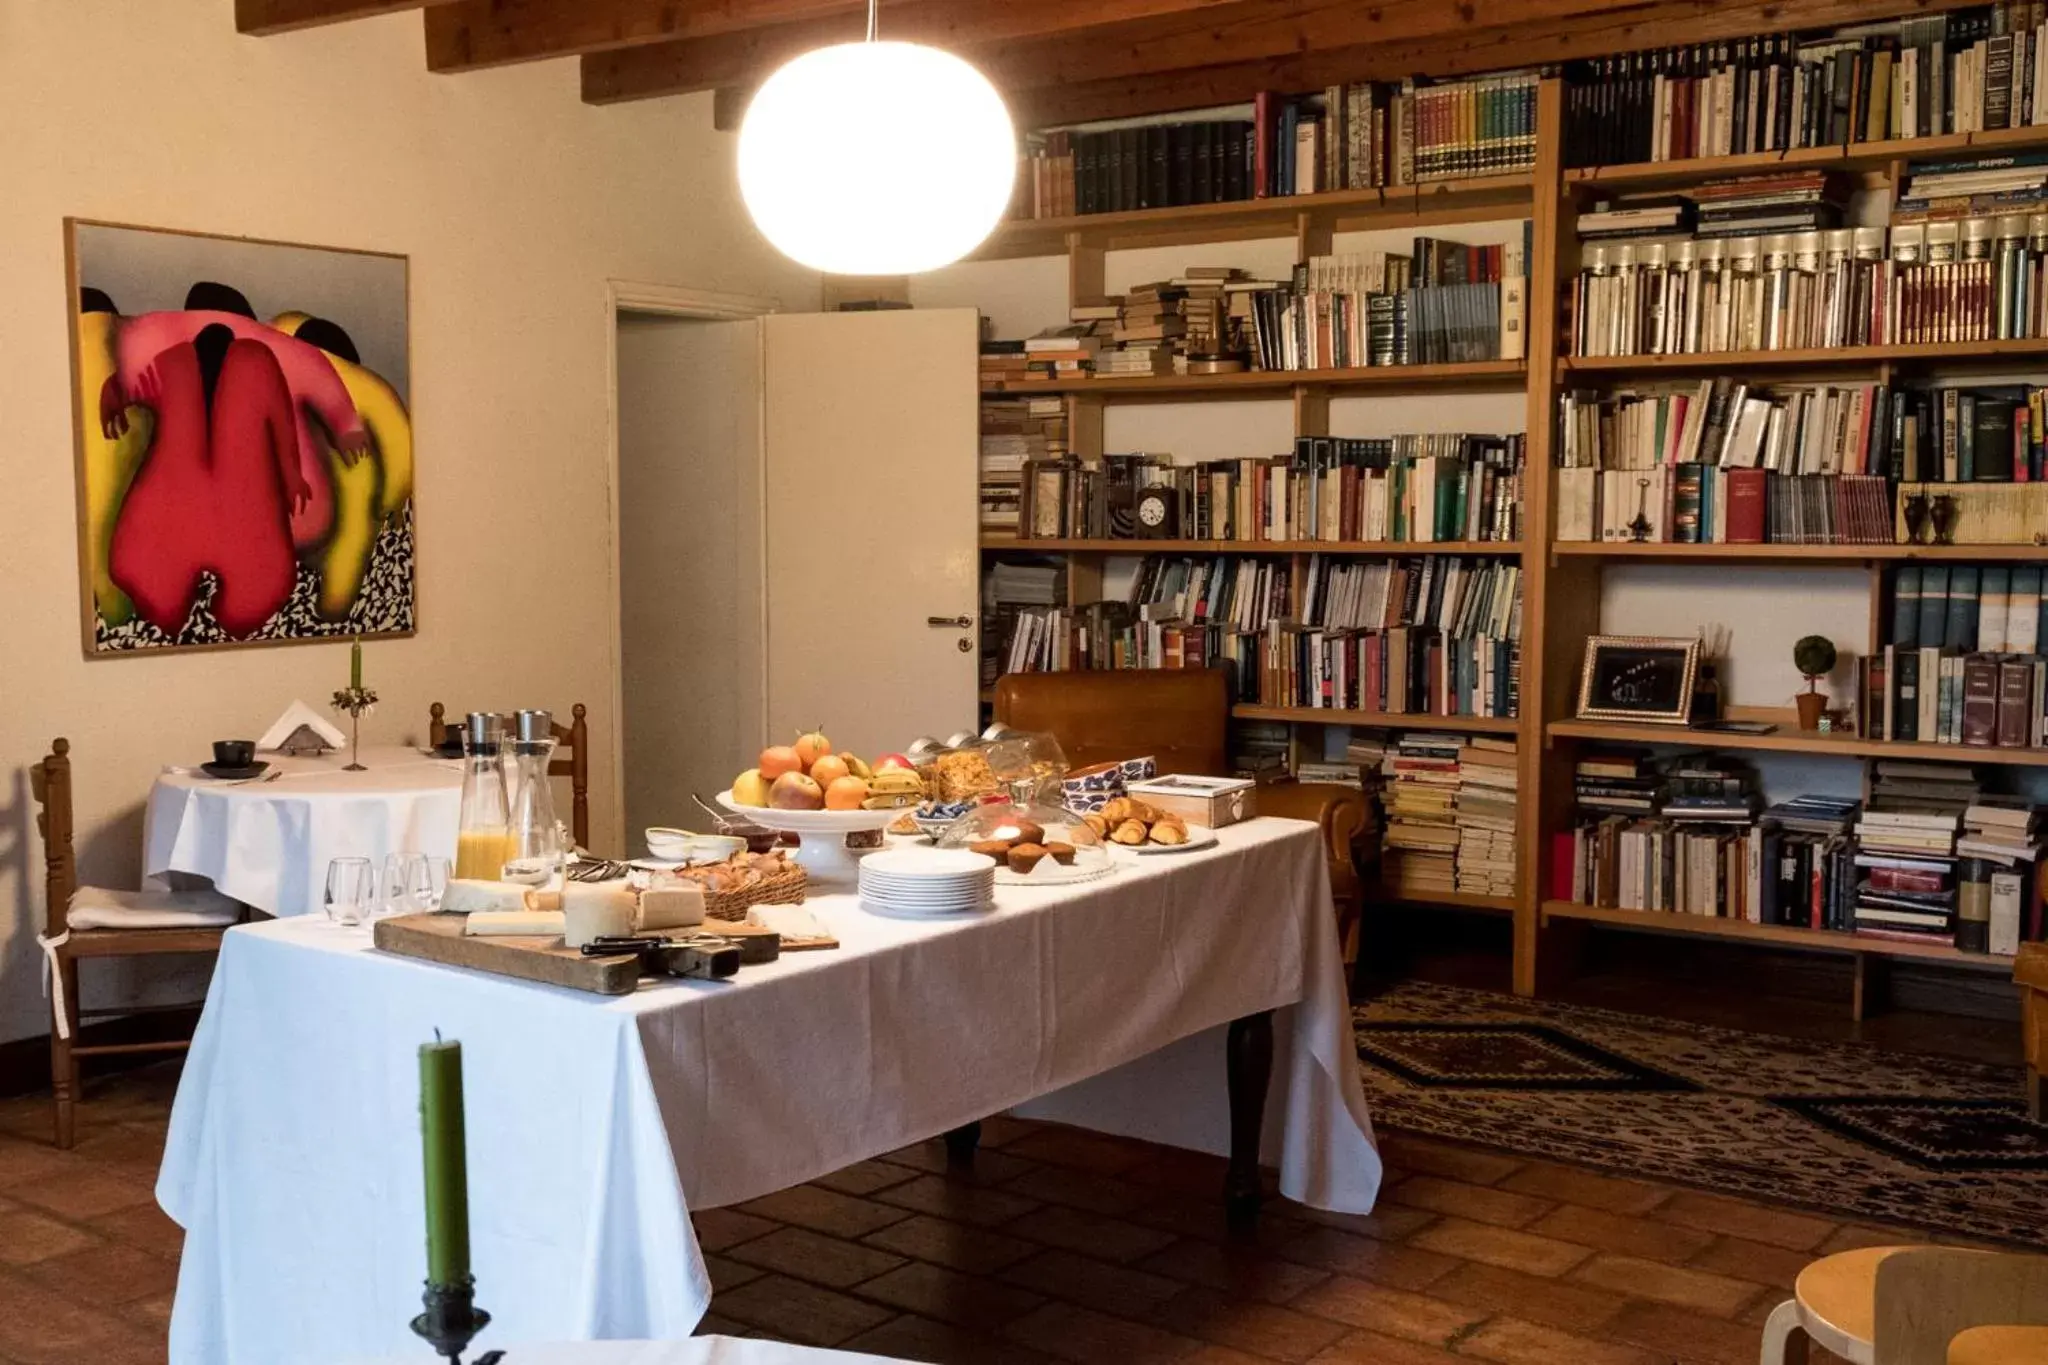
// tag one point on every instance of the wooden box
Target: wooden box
(1211, 801)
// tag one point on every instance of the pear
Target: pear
(750, 788)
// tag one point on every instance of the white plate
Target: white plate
(810, 821)
(926, 892)
(979, 875)
(894, 910)
(1198, 837)
(926, 864)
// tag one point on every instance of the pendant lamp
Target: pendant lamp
(876, 158)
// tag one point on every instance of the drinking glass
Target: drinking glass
(394, 888)
(426, 883)
(350, 887)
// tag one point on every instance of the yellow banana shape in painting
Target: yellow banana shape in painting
(109, 465)
(368, 491)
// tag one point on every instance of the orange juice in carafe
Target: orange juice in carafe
(482, 853)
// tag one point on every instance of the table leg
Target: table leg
(1248, 1059)
(961, 1143)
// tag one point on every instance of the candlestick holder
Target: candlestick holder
(355, 703)
(452, 1319)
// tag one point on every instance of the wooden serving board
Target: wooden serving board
(439, 938)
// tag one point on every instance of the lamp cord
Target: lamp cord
(872, 5)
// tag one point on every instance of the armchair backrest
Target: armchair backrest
(1181, 717)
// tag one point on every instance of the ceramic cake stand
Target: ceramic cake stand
(823, 853)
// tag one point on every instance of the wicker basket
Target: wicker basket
(782, 888)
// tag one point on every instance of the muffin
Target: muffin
(1024, 857)
(1063, 854)
(994, 848)
(1030, 832)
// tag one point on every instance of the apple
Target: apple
(812, 746)
(778, 759)
(829, 769)
(846, 793)
(894, 761)
(750, 788)
(794, 791)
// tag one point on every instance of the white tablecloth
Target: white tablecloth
(268, 844)
(694, 1351)
(594, 1123)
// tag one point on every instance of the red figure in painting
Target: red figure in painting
(216, 490)
(316, 392)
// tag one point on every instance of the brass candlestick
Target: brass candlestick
(355, 703)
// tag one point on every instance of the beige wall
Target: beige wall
(515, 202)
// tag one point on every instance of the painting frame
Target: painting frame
(1672, 706)
(90, 642)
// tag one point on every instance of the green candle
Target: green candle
(355, 663)
(447, 1173)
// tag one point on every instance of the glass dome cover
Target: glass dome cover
(1034, 844)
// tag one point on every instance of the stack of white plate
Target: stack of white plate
(927, 881)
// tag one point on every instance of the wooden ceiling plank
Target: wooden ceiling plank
(261, 18)
(480, 33)
(1046, 98)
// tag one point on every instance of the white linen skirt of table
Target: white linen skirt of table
(712, 1350)
(595, 1124)
(268, 844)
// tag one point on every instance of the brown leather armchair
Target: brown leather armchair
(1182, 718)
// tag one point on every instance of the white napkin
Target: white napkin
(296, 715)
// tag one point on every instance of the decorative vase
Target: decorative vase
(1812, 706)
(1916, 519)
(1943, 515)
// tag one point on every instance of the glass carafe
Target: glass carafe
(483, 841)
(536, 854)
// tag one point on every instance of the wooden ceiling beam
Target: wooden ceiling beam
(481, 33)
(1046, 97)
(261, 18)
(968, 27)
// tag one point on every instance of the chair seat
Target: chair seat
(1838, 1300)
(95, 907)
(2000, 1346)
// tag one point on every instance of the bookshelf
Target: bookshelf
(1562, 582)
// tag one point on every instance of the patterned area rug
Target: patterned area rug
(1842, 1127)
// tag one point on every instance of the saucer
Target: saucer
(225, 773)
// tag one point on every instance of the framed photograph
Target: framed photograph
(244, 440)
(1640, 678)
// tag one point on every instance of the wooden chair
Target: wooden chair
(2030, 972)
(571, 760)
(1905, 1305)
(1181, 717)
(90, 921)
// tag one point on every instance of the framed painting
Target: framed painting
(1638, 678)
(245, 458)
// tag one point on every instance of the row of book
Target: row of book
(1964, 71)
(1945, 434)
(1694, 504)
(1937, 695)
(1429, 487)
(1996, 608)
(1974, 279)
(1450, 816)
(1009, 587)
(1358, 136)
(1015, 432)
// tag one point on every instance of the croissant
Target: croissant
(1095, 821)
(1118, 809)
(1141, 811)
(1169, 831)
(1129, 832)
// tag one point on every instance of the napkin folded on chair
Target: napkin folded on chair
(296, 717)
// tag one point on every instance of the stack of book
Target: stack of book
(1619, 782)
(1486, 817)
(1016, 432)
(1906, 859)
(1444, 302)
(1260, 749)
(1421, 837)
(1977, 188)
(2000, 847)
(1962, 663)
(1897, 785)
(1921, 76)
(1433, 636)
(1058, 353)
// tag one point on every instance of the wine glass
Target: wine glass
(426, 883)
(350, 886)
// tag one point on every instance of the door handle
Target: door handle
(950, 622)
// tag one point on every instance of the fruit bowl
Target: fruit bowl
(824, 853)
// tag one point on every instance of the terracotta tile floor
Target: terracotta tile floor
(1059, 1246)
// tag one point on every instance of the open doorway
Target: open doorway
(688, 422)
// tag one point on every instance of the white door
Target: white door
(690, 580)
(870, 437)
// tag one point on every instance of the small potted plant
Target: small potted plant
(1814, 656)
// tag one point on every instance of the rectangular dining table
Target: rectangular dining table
(595, 1124)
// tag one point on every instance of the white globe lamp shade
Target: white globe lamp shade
(877, 158)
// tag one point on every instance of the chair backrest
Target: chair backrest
(50, 781)
(1179, 716)
(1925, 1295)
(571, 760)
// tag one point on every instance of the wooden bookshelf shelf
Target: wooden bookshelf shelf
(1380, 892)
(1398, 720)
(1797, 554)
(1856, 156)
(1777, 935)
(1181, 388)
(1978, 354)
(1790, 740)
(1255, 547)
(1393, 206)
